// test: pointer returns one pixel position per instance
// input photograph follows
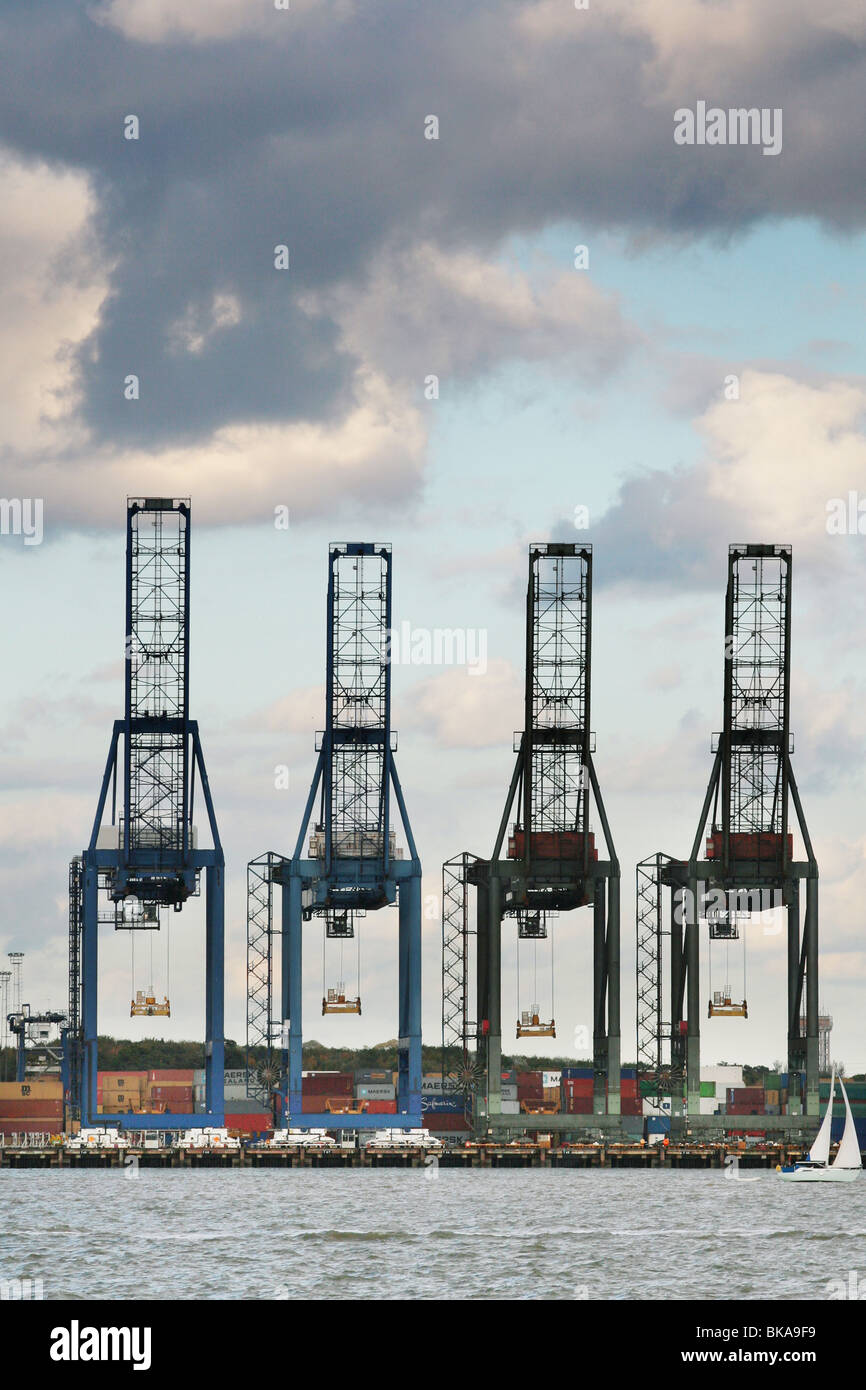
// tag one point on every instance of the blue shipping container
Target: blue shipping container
(658, 1124)
(437, 1105)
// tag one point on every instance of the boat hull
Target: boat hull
(820, 1175)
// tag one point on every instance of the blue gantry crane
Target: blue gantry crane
(353, 864)
(147, 861)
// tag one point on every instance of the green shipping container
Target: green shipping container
(708, 1089)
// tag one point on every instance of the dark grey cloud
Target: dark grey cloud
(312, 134)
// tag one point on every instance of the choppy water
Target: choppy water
(395, 1234)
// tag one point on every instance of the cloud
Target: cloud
(48, 303)
(424, 310)
(459, 710)
(261, 128)
(772, 461)
(372, 458)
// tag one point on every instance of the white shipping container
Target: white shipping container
(375, 1091)
(551, 1078)
(509, 1092)
(649, 1107)
(511, 1107)
(723, 1076)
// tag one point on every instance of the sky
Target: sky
(667, 335)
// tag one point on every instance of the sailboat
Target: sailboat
(817, 1167)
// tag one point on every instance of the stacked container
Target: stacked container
(31, 1107)
(576, 1090)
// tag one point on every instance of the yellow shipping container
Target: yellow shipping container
(38, 1088)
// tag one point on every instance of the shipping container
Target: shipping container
(31, 1090)
(253, 1122)
(708, 1088)
(437, 1124)
(511, 1107)
(230, 1092)
(578, 1105)
(442, 1105)
(748, 845)
(241, 1107)
(180, 1077)
(553, 844)
(510, 1077)
(25, 1109)
(371, 1076)
(46, 1124)
(381, 1107)
(327, 1083)
(317, 1104)
(375, 1091)
(659, 1124)
(577, 1073)
(578, 1087)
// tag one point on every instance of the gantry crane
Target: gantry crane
(20, 1024)
(147, 861)
(551, 864)
(353, 865)
(747, 865)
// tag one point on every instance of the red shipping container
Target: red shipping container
(552, 844)
(436, 1122)
(182, 1077)
(177, 1094)
(578, 1086)
(325, 1083)
(579, 1105)
(631, 1105)
(381, 1107)
(24, 1109)
(317, 1105)
(255, 1123)
(48, 1124)
(746, 845)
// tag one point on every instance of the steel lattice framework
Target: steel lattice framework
(552, 864)
(749, 848)
(157, 713)
(654, 1059)
(461, 1068)
(558, 689)
(265, 1071)
(356, 791)
(73, 1018)
(148, 854)
(755, 772)
(354, 865)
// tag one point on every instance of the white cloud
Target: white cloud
(782, 451)
(460, 710)
(455, 314)
(207, 21)
(695, 45)
(375, 452)
(49, 301)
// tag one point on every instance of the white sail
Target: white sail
(820, 1150)
(849, 1148)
